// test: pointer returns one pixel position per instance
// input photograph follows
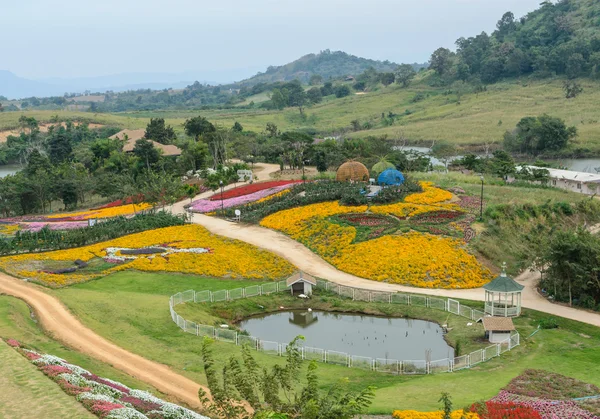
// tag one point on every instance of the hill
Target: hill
(326, 64)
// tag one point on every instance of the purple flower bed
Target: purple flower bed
(205, 205)
(143, 406)
(548, 409)
(37, 226)
(94, 377)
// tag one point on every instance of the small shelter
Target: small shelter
(301, 283)
(498, 329)
(503, 296)
(381, 166)
(390, 177)
(352, 171)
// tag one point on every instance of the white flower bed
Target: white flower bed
(111, 253)
(126, 413)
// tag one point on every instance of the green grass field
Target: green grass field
(131, 309)
(28, 393)
(478, 118)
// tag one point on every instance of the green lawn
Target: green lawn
(28, 393)
(131, 309)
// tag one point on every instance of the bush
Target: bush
(354, 197)
(548, 323)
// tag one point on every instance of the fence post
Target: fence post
(302, 352)
(197, 329)
(498, 349)
(243, 292)
(236, 339)
(227, 295)
(325, 357)
(211, 296)
(260, 290)
(194, 294)
(390, 298)
(408, 300)
(353, 294)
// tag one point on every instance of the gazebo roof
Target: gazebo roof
(300, 277)
(503, 283)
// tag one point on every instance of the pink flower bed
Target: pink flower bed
(14, 343)
(37, 226)
(72, 389)
(101, 408)
(94, 377)
(548, 409)
(206, 205)
(140, 405)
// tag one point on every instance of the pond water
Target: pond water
(9, 169)
(355, 334)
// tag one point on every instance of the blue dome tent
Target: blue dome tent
(390, 177)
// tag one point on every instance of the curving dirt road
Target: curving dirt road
(66, 328)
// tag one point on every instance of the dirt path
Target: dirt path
(307, 261)
(66, 328)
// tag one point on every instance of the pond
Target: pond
(355, 334)
(9, 169)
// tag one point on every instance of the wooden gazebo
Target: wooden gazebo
(503, 296)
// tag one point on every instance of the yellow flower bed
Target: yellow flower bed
(430, 195)
(415, 259)
(230, 258)
(412, 414)
(105, 212)
(9, 229)
(276, 195)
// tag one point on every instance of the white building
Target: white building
(580, 182)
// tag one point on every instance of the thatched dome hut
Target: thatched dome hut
(382, 166)
(352, 170)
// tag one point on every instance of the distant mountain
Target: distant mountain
(326, 64)
(15, 87)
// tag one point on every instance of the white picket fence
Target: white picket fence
(393, 366)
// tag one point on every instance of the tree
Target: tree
(572, 89)
(278, 392)
(575, 66)
(314, 95)
(315, 80)
(146, 152)
(59, 145)
(535, 135)
(237, 127)
(157, 130)
(194, 156)
(327, 89)
(296, 95)
(272, 130)
(160, 188)
(387, 78)
(279, 98)
(404, 74)
(342, 91)
(506, 25)
(443, 151)
(441, 60)
(503, 164)
(198, 126)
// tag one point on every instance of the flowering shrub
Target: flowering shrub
(547, 385)
(104, 397)
(228, 258)
(14, 343)
(547, 409)
(412, 414)
(252, 188)
(206, 205)
(493, 410)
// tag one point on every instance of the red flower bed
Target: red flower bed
(140, 405)
(14, 343)
(101, 408)
(368, 220)
(71, 389)
(254, 187)
(54, 370)
(94, 377)
(494, 410)
(436, 217)
(120, 202)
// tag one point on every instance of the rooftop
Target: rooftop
(503, 283)
(498, 324)
(569, 174)
(300, 277)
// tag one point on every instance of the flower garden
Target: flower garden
(535, 394)
(255, 192)
(68, 221)
(105, 398)
(187, 249)
(419, 241)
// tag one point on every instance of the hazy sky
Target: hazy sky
(76, 38)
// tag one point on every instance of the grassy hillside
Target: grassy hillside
(478, 118)
(27, 393)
